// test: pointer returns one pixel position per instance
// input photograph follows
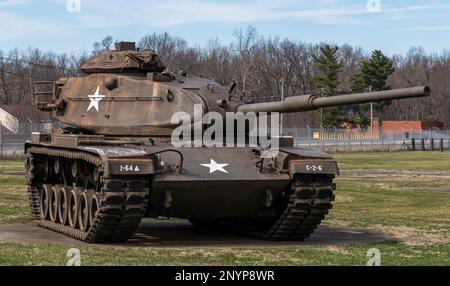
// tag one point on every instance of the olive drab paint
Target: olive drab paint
(114, 160)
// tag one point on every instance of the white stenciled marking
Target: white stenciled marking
(214, 167)
(95, 99)
(129, 168)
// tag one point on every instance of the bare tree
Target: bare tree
(264, 69)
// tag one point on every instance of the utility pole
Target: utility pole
(321, 110)
(281, 114)
(371, 115)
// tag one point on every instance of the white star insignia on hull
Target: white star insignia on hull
(214, 167)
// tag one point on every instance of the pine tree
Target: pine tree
(327, 82)
(373, 76)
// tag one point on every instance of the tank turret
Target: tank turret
(126, 93)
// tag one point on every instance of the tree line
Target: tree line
(266, 69)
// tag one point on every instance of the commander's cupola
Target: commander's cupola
(124, 59)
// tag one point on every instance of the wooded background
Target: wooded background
(263, 67)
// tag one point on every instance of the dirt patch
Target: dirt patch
(396, 173)
(414, 236)
(335, 249)
(13, 173)
(342, 199)
(432, 190)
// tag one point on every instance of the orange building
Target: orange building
(408, 125)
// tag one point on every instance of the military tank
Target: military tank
(110, 161)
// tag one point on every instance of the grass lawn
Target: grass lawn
(14, 206)
(413, 210)
(429, 161)
(11, 166)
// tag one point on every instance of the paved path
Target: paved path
(183, 234)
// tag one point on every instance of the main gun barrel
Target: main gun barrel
(312, 102)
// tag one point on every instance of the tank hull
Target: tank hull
(200, 184)
(236, 190)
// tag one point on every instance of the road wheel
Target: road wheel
(83, 210)
(94, 208)
(63, 208)
(53, 203)
(73, 202)
(44, 201)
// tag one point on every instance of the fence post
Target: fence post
(322, 130)
(335, 137)
(296, 136)
(371, 139)
(393, 137)
(404, 136)
(432, 144)
(413, 144)
(31, 125)
(441, 144)
(422, 140)
(1, 140)
(309, 136)
(348, 140)
(360, 135)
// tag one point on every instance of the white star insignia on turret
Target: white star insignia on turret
(95, 99)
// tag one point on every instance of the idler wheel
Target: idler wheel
(29, 171)
(83, 210)
(44, 201)
(63, 208)
(55, 194)
(94, 208)
(73, 202)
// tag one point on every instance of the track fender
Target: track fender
(313, 166)
(306, 161)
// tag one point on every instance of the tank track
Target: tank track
(308, 205)
(122, 200)
(299, 213)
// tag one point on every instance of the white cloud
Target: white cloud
(418, 8)
(153, 13)
(179, 12)
(14, 26)
(9, 3)
(425, 29)
(414, 12)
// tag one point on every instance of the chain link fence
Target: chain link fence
(331, 140)
(336, 140)
(14, 136)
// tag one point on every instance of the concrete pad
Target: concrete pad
(181, 234)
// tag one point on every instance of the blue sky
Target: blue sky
(399, 25)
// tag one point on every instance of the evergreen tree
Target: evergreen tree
(373, 76)
(327, 82)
